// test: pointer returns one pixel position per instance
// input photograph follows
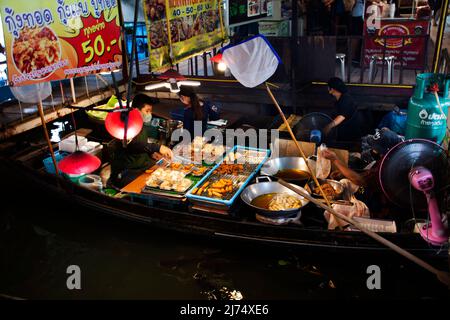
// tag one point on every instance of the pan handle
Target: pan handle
(262, 178)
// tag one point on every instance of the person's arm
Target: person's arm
(336, 121)
(150, 148)
(213, 111)
(353, 176)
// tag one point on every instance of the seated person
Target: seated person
(128, 163)
(373, 196)
(196, 110)
(347, 119)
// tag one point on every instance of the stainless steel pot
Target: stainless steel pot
(261, 188)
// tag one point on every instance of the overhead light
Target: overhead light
(222, 66)
(78, 163)
(173, 81)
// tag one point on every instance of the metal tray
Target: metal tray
(247, 176)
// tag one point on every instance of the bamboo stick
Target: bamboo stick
(313, 175)
(441, 275)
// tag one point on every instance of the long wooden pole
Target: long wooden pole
(300, 150)
(44, 127)
(441, 275)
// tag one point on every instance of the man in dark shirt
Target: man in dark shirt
(347, 120)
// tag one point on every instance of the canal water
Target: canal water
(40, 239)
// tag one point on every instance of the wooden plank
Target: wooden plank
(287, 148)
(136, 185)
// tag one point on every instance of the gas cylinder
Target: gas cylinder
(425, 119)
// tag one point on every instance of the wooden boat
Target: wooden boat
(26, 167)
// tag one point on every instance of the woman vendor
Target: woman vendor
(347, 120)
(196, 111)
(128, 163)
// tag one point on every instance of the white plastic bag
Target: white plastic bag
(32, 93)
(252, 61)
(323, 165)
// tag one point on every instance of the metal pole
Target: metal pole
(124, 46)
(133, 46)
(440, 35)
(294, 42)
(72, 88)
(44, 127)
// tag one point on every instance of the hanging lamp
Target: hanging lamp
(79, 163)
(117, 121)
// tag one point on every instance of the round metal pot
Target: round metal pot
(260, 188)
(273, 166)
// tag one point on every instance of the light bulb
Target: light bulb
(221, 66)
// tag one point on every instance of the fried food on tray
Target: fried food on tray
(216, 189)
(233, 169)
(327, 189)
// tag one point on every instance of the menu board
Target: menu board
(242, 11)
(179, 29)
(58, 39)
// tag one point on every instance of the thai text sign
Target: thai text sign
(406, 40)
(195, 26)
(57, 39)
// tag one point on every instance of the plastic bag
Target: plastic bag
(32, 93)
(323, 165)
(252, 61)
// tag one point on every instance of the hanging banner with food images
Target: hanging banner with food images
(195, 26)
(58, 39)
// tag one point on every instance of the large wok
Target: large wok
(274, 166)
(260, 188)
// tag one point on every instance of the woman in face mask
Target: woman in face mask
(128, 163)
(196, 111)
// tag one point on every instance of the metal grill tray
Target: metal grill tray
(243, 179)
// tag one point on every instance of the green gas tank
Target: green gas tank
(425, 119)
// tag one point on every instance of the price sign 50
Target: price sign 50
(96, 49)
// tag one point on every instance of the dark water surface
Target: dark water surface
(124, 260)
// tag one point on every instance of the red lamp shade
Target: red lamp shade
(115, 124)
(217, 58)
(79, 162)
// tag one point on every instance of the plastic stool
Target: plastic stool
(373, 66)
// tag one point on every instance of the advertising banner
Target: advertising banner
(410, 51)
(58, 39)
(179, 29)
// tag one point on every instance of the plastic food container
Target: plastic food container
(91, 181)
